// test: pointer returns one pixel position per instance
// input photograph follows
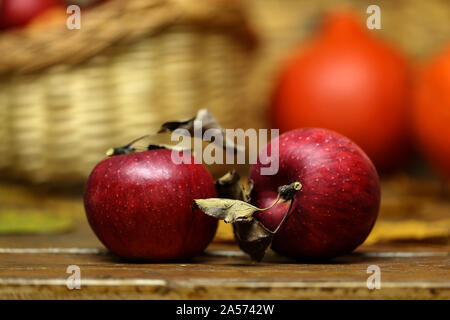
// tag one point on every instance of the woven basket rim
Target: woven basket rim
(117, 22)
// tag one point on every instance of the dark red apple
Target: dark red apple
(140, 206)
(338, 204)
(16, 13)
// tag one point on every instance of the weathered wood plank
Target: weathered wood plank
(34, 267)
(225, 273)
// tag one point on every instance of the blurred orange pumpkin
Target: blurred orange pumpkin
(53, 15)
(349, 81)
(431, 118)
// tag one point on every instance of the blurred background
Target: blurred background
(66, 96)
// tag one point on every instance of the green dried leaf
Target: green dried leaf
(33, 222)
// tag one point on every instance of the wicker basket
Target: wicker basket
(68, 95)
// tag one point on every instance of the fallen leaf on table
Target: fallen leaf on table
(384, 231)
(33, 222)
(417, 230)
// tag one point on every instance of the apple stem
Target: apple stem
(285, 193)
(272, 205)
(285, 216)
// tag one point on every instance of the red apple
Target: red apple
(16, 13)
(338, 204)
(140, 206)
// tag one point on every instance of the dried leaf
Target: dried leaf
(229, 210)
(171, 126)
(208, 122)
(250, 235)
(166, 146)
(33, 222)
(253, 238)
(229, 186)
(410, 229)
(126, 149)
(248, 191)
(203, 115)
(230, 178)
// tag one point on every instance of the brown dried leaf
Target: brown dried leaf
(229, 186)
(126, 149)
(228, 210)
(167, 146)
(208, 122)
(129, 148)
(409, 229)
(203, 115)
(253, 238)
(248, 191)
(171, 126)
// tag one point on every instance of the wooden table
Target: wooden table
(34, 267)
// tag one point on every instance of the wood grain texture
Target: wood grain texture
(34, 267)
(223, 272)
